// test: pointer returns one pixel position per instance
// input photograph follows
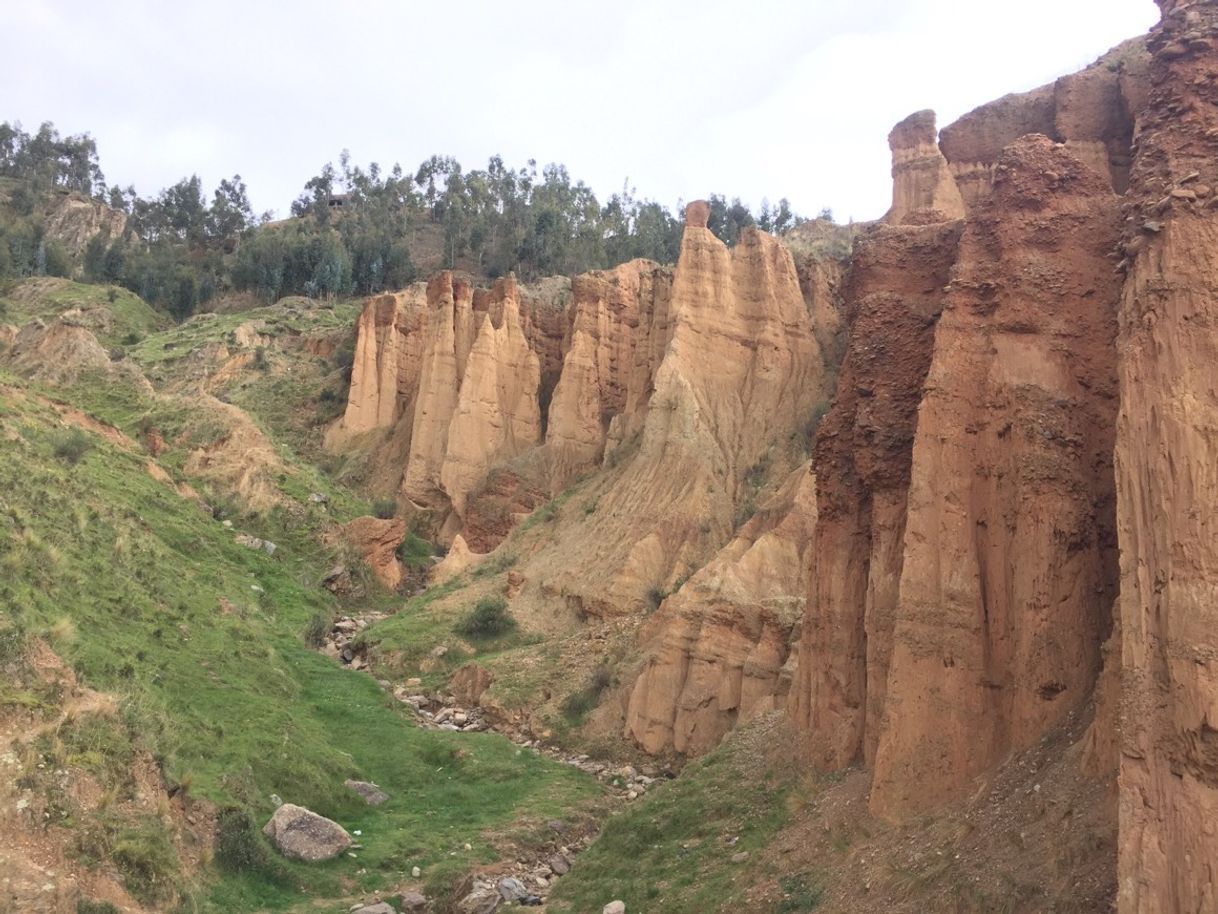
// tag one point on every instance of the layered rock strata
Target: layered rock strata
(1167, 481)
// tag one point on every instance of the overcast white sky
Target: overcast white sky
(753, 98)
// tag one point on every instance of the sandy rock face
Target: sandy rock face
(741, 371)
(377, 541)
(77, 220)
(1009, 566)
(388, 360)
(862, 459)
(923, 188)
(1091, 111)
(721, 646)
(620, 330)
(1166, 460)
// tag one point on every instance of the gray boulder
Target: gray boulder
(304, 835)
(372, 794)
(413, 902)
(381, 907)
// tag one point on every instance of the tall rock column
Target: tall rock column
(1167, 482)
(862, 460)
(1009, 569)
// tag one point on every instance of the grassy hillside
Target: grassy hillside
(149, 598)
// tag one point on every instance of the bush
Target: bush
(72, 445)
(655, 597)
(84, 906)
(415, 552)
(315, 632)
(489, 619)
(576, 706)
(385, 508)
(237, 847)
(146, 862)
(260, 360)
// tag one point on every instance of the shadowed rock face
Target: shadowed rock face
(1008, 573)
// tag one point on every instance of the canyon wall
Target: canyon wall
(1167, 481)
(963, 570)
(678, 383)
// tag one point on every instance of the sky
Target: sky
(677, 98)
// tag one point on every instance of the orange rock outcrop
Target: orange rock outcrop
(1167, 482)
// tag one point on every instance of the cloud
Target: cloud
(683, 97)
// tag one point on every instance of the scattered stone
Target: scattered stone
(318, 498)
(380, 907)
(415, 872)
(304, 835)
(559, 865)
(1152, 226)
(512, 889)
(481, 899)
(558, 826)
(740, 856)
(614, 907)
(413, 902)
(439, 650)
(372, 794)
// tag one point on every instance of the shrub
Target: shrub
(655, 597)
(315, 631)
(489, 619)
(260, 360)
(385, 508)
(237, 847)
(84, 906)
(576, 706)
(72, 445)
(414, 551)
(146, 862)
(810, 427)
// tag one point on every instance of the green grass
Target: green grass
(201, 639)
(671, 851)
(132, 318)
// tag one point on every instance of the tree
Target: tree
(230, 212)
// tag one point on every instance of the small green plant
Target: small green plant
(237, 847)
(414, 551)
(146, 862)
(655, 597)
(808, 431)
(72, 445)
(578, 705)
(319, 625)
(84, 906)
(260, 360)
(802, 894)
(488, 619)
(385, 508)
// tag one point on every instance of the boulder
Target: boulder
(304, 835)
(372, 794)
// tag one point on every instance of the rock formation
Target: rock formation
(923, 189)
(684, 380)
(75, 220)
(863, 453)
(1008, 576)
(741, 372)
(1166, 457)
(721, 646)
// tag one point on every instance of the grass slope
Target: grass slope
(672, 851)
(201, 639)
